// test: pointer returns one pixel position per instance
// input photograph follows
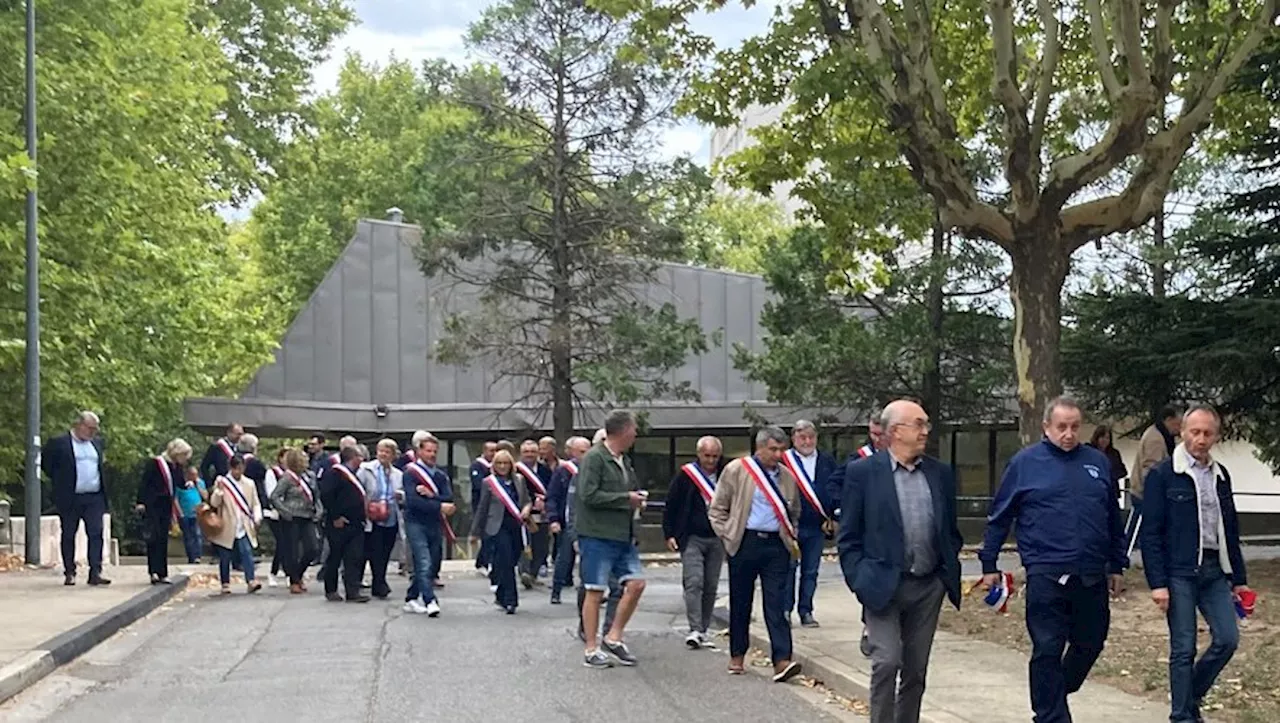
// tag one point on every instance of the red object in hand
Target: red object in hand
(1248, 599)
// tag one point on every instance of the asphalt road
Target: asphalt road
(273, 657)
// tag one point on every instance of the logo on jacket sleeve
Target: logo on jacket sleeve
(1093, 471)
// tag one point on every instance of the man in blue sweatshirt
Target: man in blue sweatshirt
(1060, 495)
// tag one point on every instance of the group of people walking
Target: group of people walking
(889, 508)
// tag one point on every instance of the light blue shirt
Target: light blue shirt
(762, 517)
(87, 481)
(386, 494)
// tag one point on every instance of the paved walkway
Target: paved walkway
(970, 681)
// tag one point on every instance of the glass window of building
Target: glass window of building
(1008, 443)
(651, 457)
(973, 463)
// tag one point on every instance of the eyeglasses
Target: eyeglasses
(920, 424)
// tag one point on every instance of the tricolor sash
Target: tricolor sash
(335, 459)
(248, 456)
(488, 466)
(793, 462)
(278, 471)
(700, 480)
(350, 476)
(766, 487)
(501, 493)
(167, 474)
(532, 478)
(225, 446)
(422, 475)
(866, 450)
(237, 497)
(306, 489)
(569, 465)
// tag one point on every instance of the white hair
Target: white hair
(348, 441)
(248, 443)
(709, 440)
(803, 425)
(599, 436)
(420, 435)
(86, 417)
(571, 442)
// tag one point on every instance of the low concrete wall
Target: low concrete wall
(51, 541)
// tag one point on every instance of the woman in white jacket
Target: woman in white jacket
(236, 499)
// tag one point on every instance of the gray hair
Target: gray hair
(87, 417)
(572, 441)
(418, 436)
(1205, 408)
(617, 422)
(803, 425)
(770, 433)
(704, 441)
(388, 443)
(346, 454)
(347, 441)
(1060, 402)
(599, 436)
(428, 437)
(360, 449)
(248, 443)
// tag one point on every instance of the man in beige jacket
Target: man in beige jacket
(754, 512)
(1156, 446)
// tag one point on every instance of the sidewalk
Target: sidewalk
(969, 681)
(47, 624)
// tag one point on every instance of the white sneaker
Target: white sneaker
(271, 580)
(707, 641)
(432, 609)
(693, 641)
(415, 606)
(493, 588)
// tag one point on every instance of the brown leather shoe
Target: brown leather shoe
(296, 589)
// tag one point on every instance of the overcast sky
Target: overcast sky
(420, 29)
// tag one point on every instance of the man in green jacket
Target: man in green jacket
(604, 511)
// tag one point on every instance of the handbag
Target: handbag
(377, 511)
(209, 519)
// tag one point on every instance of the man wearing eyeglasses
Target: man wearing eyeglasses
(900, 553)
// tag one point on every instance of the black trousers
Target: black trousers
(506, 547)
(278, 534)
(762, 555)
(378, 544)
(90, 508)
(1068, 624)
(155, 533)
(298, 546)
(346, 548)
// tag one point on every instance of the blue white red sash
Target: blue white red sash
(571, 466)
(501, 493)
(865, 451)
(335, 459)
(306, 489)
(278, 471)
(770, 493)
(167, 474)
(700, 480)
(237, 497)
(422, 475)
(410, 457)
(532, 478)
(488, 466)
(225, 446)
(791, 459)
(342, 469)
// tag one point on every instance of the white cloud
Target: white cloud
(380, 47)
(686, 139)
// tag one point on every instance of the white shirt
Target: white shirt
(1210, 508)
(87, 481)
(810, 463)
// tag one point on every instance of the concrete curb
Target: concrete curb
(833, 673)
(67, 646)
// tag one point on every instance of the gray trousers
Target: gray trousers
(701, 559)
(900, 639)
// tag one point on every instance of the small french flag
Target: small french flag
(998, 596)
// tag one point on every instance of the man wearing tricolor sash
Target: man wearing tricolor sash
(537, 477)
(428, 506)
(754, 512)
(811, 468)
(835, 482)
(158, 502)
(687, 529)
(218, 456)
(344, 500)
(481, 467)
(900, 555)
(560, 512)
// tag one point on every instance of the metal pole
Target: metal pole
(33, 506)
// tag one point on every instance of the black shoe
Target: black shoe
(864, 646)
(511, 609)
(619, 650)
(527, 580)
(807, 621)
(333, 597)
(99, 580)
(555, 597)
(358, 598)
(68, 580)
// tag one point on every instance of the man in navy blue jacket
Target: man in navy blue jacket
(1191, 556)
(900, 554)
(560, 513)
(811, 468)
(1071, 539)
(428, 504)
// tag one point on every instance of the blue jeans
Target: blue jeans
(1068, 625)
(563, 576)
(604, 558)
(811, 545)
(419, 539)
(243, 551)
(764, 556)
(1191, 679)
(192, 538)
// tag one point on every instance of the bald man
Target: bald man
(900, 553)
(688, 531)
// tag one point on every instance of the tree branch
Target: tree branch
(1044, 92)
(1018, 165)
(1102, 49)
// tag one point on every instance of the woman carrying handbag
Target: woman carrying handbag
(235, 497)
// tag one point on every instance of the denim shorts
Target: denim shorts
(601, 559)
